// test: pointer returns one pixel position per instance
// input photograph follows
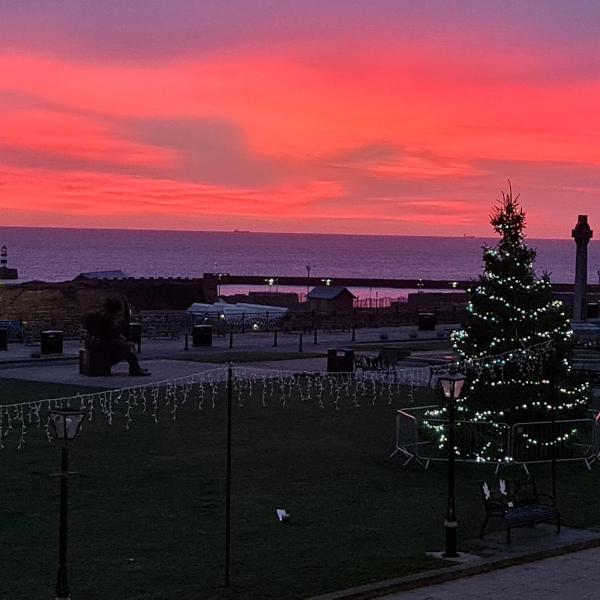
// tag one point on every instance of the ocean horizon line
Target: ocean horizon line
(253, 232)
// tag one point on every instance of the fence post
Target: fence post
(186, 346)
(300, 344)
(552, 391)
(275, 337)
(353, 333)
(243, 322)
(228, 477)
(315, 336)
(231, 339)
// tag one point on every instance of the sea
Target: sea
(51, 254)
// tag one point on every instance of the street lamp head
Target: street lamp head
(452, 384)
(67, 422)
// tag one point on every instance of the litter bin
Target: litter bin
(593, 310)
(135, 332)
(340, 360)
(3, 339)
(426, 321)
(51, 341)
(202, 335)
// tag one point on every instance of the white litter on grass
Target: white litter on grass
(282, 515)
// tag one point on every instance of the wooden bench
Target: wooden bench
(518, 504)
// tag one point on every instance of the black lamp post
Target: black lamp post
(67, 423)
(451, 386)
(308, 268)
(272, 281)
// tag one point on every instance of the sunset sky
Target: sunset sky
(337, 116)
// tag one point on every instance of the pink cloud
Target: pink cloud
(453, 117)
(64, 134)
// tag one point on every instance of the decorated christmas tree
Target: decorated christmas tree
(516, 339)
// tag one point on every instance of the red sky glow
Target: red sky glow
(386, 117)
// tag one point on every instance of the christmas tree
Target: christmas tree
(516, 338)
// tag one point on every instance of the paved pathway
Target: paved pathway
(25, 362)
(569, 576)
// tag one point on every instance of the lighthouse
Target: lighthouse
(5, 272)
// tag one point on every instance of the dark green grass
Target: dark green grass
(147, 507)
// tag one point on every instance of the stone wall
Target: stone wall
(71, 299)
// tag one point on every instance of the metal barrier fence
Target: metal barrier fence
(159, 323)
(532, 442)
(71, 328)
(525, 443)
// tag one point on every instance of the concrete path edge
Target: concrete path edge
(402, 584)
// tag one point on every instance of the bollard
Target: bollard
(300, 344)
(315, 336)
(231, 339)
(186, 347)
(275, 337)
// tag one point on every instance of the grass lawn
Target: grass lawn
(147, 507)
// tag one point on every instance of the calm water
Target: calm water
(60, 254)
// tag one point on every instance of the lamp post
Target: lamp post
(66, 423)
(308, 268)
(272, 281)
(451, 386)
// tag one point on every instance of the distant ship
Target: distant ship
(241, 231)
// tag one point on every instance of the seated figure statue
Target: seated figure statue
(105, 334)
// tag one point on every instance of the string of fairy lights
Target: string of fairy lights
(205, 389)
(510, 306)
(267, 387)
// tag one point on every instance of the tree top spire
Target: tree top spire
(507, 217)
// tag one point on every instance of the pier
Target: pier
(364, 282)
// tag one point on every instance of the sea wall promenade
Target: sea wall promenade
(371, 282)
